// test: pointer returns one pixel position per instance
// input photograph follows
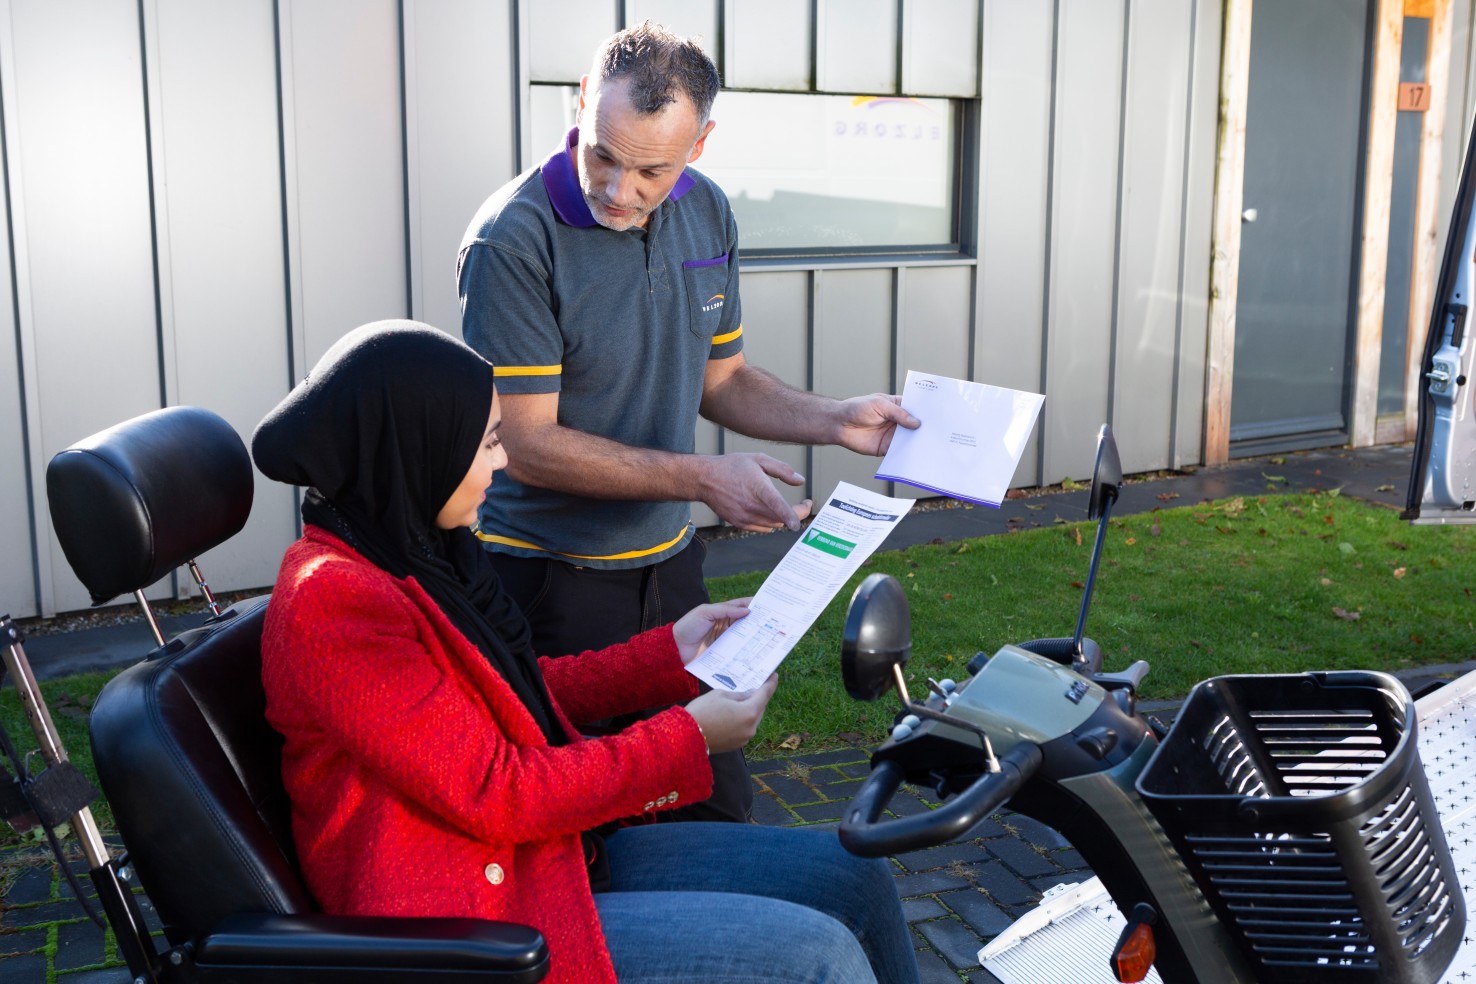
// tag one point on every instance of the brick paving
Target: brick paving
(955, 897)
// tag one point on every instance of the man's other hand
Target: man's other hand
(739, 488)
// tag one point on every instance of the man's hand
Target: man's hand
(738, 488)
(866, 423)
(728, 721)
(697, 629)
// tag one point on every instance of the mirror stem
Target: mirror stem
(901, 685)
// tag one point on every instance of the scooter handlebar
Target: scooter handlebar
(861, 832)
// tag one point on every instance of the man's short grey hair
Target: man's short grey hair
(657, 66)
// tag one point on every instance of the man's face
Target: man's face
(627, 162)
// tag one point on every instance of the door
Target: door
(1442, 483)
(1296, 312)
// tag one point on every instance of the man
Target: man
(603, 285)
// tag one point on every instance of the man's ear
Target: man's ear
(701, 139)
(583, 92)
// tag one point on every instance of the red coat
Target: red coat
(419, 783)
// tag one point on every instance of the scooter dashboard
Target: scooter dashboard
(1017, 696)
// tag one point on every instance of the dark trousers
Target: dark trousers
(572, 609)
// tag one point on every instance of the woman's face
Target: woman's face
(462, 508)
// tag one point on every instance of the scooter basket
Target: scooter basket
(1299, 806)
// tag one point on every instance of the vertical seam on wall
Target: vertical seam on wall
(899, 296)
(148, 122)
(718, 49)
(1045, 285)
(814, 45)
(406, 191)
(20, 360)
(519, 95)
(1176, 383)
(1114, 327)
(898, 50)
(292, 368)
(812, 316)
(289, 321)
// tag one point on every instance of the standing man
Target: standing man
(603, 285)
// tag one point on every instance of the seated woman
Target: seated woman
(432, 761)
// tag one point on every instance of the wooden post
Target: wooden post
(1428, 219)
(1378, 185)
(1225, 248)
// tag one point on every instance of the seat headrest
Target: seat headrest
(134, 502)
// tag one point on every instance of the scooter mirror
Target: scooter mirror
(877, 639)
(1106, 475)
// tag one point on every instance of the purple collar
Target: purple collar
(562, 184)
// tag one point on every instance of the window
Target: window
(811, 173)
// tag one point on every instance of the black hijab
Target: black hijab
(382, 431)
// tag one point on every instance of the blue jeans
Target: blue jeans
(729, 903)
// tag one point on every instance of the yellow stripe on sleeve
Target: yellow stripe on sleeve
(720, 339)
(527, 370)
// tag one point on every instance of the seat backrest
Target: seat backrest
(194, 775)
(181, 743)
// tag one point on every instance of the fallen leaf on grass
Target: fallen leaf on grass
(1155, 530)
(1347, 616)
(1131, 540)
(1076, 531)
(948, 597)
(1399, 572)
(794, 741)
(1078, 585)
(1347, 548)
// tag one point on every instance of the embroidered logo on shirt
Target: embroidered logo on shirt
(713, 303)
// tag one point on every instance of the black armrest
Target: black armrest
(257, 947)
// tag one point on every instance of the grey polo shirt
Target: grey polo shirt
(620, 324)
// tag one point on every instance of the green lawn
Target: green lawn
(1277, 583)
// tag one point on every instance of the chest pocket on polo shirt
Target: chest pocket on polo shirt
(705, 282)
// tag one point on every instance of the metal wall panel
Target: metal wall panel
(1014, 196)
(347, 187)
(218, 207)
(1196, 236)
(689, 18)
(459, 117)
(563, 35)
(80, 156)
(940, 47)
(18, 594)
(853, 332)
(767, 44)
(776, 337)
(935, 314)
(1083, 230)
(856, 46)
(1151, 193)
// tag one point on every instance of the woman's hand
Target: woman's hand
(696, 630)
(728, 721)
